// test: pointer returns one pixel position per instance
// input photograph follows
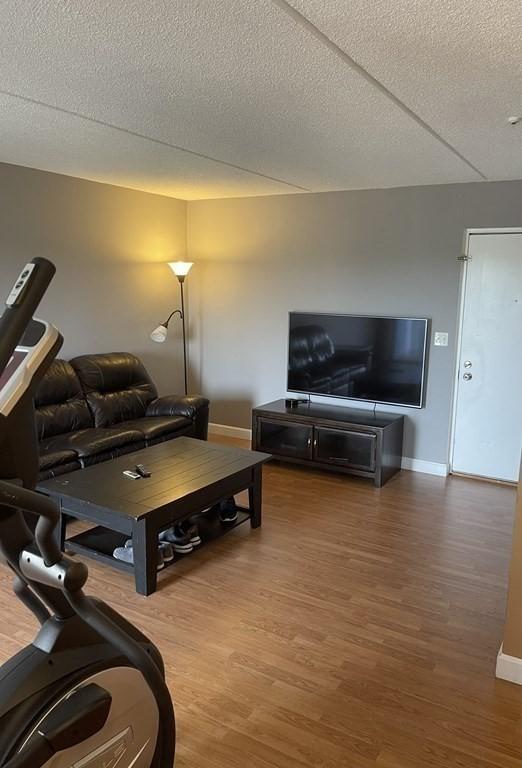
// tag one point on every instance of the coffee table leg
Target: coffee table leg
(255, 497)
(145, 544)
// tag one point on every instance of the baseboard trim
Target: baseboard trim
(414, 465)
(226, 431)
(509, 667)
(427, 467)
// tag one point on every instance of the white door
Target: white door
(488, 420)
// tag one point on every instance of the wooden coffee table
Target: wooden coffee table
(187, 477)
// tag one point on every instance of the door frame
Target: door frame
(460, 320)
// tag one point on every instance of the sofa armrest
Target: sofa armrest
(194, 408)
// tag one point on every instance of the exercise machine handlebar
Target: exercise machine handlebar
(16, 497)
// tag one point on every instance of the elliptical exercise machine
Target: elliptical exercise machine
(90, 691)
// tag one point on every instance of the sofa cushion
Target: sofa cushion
(90, 442)
(116, 385)
(154, 427)
(50, 456)
(122, 450)
(59, 469)
(60, 404)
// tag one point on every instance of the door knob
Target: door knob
(467, 376)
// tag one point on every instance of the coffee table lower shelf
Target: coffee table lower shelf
(99, 543)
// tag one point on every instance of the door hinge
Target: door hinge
(464, 257)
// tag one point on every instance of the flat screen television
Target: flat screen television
(374, 359)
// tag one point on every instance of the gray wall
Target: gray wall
(390, 252)
(110, 246)
(379, 251)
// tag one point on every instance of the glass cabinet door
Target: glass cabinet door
(353, 449)
(284, 438)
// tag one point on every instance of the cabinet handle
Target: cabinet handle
(309, 442)
(315, 443)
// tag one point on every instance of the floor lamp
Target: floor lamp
(159, 334)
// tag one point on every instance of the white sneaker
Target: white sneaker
(126, 555)
(166, 549)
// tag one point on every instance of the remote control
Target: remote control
(131, 474)
(140, 469)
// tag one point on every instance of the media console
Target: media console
(354, 441)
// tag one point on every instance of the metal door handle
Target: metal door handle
(467, 376)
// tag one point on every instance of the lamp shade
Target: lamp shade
(180, 268)
(159, 334)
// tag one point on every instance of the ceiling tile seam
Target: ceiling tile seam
(304, 22)
(152, 139)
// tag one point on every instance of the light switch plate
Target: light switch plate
(440, 339)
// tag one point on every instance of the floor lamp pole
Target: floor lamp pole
(184, 336)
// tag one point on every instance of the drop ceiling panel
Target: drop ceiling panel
(456, 63)
(39, 137)
(238, 81)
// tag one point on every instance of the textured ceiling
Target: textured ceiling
(219, 98)
(456, 63)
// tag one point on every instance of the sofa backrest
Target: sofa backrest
(116, 385)
(60, 403)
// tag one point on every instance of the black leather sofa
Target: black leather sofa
(96, 407)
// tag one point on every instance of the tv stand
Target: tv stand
(353, 441)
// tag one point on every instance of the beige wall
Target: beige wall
(110, 246)
(513, 629)
(390, 252)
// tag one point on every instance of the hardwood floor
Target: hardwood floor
(357, 628)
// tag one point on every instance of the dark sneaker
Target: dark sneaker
(228, 511)
(212, 512)
(178, 538)
(191, 530)
(126, 555)
(167, 550)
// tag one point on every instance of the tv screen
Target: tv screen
(376, 359)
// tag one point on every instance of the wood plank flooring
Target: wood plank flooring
(357, 628)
